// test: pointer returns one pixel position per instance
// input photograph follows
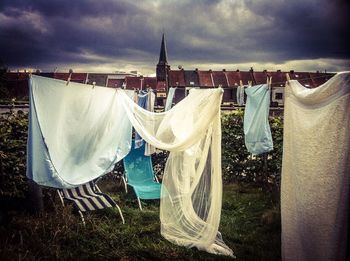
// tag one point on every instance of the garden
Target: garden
(250, 219)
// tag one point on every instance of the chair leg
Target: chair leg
(82, 217)
(139, 201)
(121, 214)
(61, 198)
(125, 185)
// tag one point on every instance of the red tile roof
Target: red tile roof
(205, 79)
(191, 78)
(115, 83)
(177, 78)
(76, 77)
(320, 78)
(303, 77)
(220, 78)
(133, 83)
(235, 76)
(149, 82)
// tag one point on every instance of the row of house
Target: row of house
(182, 79)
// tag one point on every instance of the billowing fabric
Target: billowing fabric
(77, 133)
(315, 187)
(257, 132)
(170, 98)
(140, 176)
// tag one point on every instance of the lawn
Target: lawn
(250, 225)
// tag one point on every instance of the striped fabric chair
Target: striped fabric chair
(87, 197)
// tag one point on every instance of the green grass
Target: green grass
(250, 225)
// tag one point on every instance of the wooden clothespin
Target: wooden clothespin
(70, 76)
(250, 83)
(30, 74)
(269, 81)
(241, 83)
(287, 77)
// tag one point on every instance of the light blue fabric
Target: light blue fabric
(170, 98)
(258, 138)
(139, 172)
(142, 102)
(75, 133)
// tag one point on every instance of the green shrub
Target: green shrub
(13, 141)
(238, 164)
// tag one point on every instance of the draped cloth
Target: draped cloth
(257, 132)
(315, 187)
(77, 133)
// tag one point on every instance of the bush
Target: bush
(237, 163)
(13, 141)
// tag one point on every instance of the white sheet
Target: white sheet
(316, 171)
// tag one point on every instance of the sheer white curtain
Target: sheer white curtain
(192, 185)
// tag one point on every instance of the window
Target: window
(279, 96)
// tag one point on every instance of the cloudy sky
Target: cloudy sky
(111, 35)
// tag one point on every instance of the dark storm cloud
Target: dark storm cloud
(44, 33)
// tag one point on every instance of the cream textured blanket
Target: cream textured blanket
(316, 171)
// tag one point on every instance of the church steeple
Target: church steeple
(163, 59)
(162, 66)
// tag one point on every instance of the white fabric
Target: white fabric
(76, 133)
(315, 187)
(151, 98)
(86, 130)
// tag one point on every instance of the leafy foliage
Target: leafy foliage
(13, 140)
(238, 164)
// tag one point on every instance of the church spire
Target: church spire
(162, 66)
(163, 57)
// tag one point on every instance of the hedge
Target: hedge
(237, 164)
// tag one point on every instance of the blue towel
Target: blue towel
(258, 138)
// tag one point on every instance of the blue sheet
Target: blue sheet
(258, 138)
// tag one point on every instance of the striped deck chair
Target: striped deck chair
(87, 197)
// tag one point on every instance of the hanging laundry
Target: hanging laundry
(170, 98)
(258, 138)
(315, 189)
(77, 134)
(151, 97)
(142, 100)
(240, 95)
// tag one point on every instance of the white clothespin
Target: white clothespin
(70, 76)
(93, 84)
(250, 83)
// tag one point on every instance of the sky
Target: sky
(124, 35)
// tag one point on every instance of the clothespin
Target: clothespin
(70, 76)
(241, 83)
(93, 84)
(288, 77)
(30, 74)
(250, 83)
(269, 81)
